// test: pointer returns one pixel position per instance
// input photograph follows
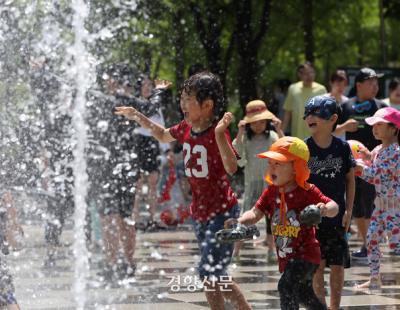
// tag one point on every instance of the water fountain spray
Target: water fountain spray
(81, 71)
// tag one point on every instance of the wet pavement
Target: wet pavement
(166, 279)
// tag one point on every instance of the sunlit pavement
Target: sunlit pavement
(164, 259)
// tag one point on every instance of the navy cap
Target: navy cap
(366, 74)
(321, 106)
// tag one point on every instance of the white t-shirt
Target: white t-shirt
(393, 105)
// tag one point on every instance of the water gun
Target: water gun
(310, 216)
(237, 233)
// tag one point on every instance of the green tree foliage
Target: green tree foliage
(249, 43)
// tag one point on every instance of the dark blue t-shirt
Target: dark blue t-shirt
(359, 111)
(328, 169)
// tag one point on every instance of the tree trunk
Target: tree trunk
(246, 74)
(248, 46)
(247, 78)
(308, 26)
(382, 34)
(179, 45)
(209, 30)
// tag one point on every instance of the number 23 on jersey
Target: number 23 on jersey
(197, 156)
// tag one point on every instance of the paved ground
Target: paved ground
(170, 256)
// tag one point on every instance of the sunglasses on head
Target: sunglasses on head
(317, 111)
(362, 107)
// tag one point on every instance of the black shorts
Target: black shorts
(122, 205)
(363, 199)
(116, 195)
(295, 286)
(334, 246)
(147, 150)
(60, 206)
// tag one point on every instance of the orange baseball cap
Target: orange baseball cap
(291, 149)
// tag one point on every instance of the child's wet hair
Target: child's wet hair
(205, 85)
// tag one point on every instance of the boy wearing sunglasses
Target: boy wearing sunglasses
(352, 123)
(331, 170)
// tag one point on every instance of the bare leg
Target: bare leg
(362, 226)
(14, 230)
(128, 240)
(236, 297)
(214, 297)
(336, 283)
(271, 248)
(111, 233)
(236, 249)
(270, 242)
(12, 307)
(319, 283)
(138, 198)
(373, 283)
(152, 180)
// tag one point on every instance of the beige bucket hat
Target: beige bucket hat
(256, 110)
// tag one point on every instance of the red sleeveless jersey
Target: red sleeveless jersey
(211, 190)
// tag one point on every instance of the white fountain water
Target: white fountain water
(57, 43)
(81, 71)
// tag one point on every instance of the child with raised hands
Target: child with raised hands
(287, 195)
(208, 157)
(257, 131)
(384, 173)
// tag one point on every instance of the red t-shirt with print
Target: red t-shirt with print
(292, 240)
(211, 191)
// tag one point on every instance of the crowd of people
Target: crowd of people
(136, 161)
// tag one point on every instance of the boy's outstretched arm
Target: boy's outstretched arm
(329, 209)
(248, 218)
(225, 149)
(159, 132)
(350, 192)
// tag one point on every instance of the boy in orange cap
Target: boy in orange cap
(287, 195)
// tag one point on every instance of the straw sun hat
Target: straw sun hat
(256, 110)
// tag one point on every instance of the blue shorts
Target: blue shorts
(215, 257)
(6, 287)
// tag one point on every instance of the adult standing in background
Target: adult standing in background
(394, 94)
(152, 96)
(112, 171)
(296, 99)
(338, 82)
(50, 141)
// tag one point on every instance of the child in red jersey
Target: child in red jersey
(208, 157)
(287, 195)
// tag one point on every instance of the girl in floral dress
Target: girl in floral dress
(384, 173)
